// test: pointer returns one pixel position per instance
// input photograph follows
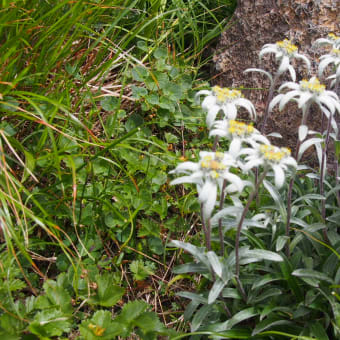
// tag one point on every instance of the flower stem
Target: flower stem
(220, 229)
(205, 230)
(239, 227)
(269, 98)
(305, 113)
(215, 143)
(322, 174)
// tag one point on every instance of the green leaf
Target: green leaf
(215, 263)
(215, 290)
(101, 327)
(139, 73)
(141, 44)
(255, 255)
(49, 323)
(152, 98)
(160, 53)
(108, 294)
(138, 92)
(193, 250)
(58, 296)
(149, 322)
(317, 330)
(309, 273)
(156, 245)
(241, 316)
(109, 103)
(199, 317)
(277, 197)
(133, 122)
(264, 280)
(268, 323)
(280, 242)
(142, 270)
(132, 310)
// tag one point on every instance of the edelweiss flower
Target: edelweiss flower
(238, 132)
(208, 174)
(307, 92)
(284, 52)
(331, 39)
(331, 58)
(270, 156)
(226, 100)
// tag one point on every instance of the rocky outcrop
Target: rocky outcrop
(259, 22)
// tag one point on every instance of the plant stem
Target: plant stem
(215, 143)
(269, 98)
(220, 229)
(264, 120)
(239, 227)
(322, 170)
(305, 113)
(337, 91)
(205, 230)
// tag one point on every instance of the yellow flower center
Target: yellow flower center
(240, 129)
(313, 85)
(225, 94)
(332, 36)
(287, 46)
(213, 164)
(97, 330)
(214, 174)
(273, 153)
(336, 52)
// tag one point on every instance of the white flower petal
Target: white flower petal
(304, 98)
(207, 196)
(284, 65)
(235, 146)
(208, 102)
(211, 115)
(292, 72)
(186, 166)
(230, 111)
(247, 104)
(287, 97)
(304, 58)
(279, 175)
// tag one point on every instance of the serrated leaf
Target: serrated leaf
(108, 294)
(132, 310)
(50, 323)
(139, 73)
